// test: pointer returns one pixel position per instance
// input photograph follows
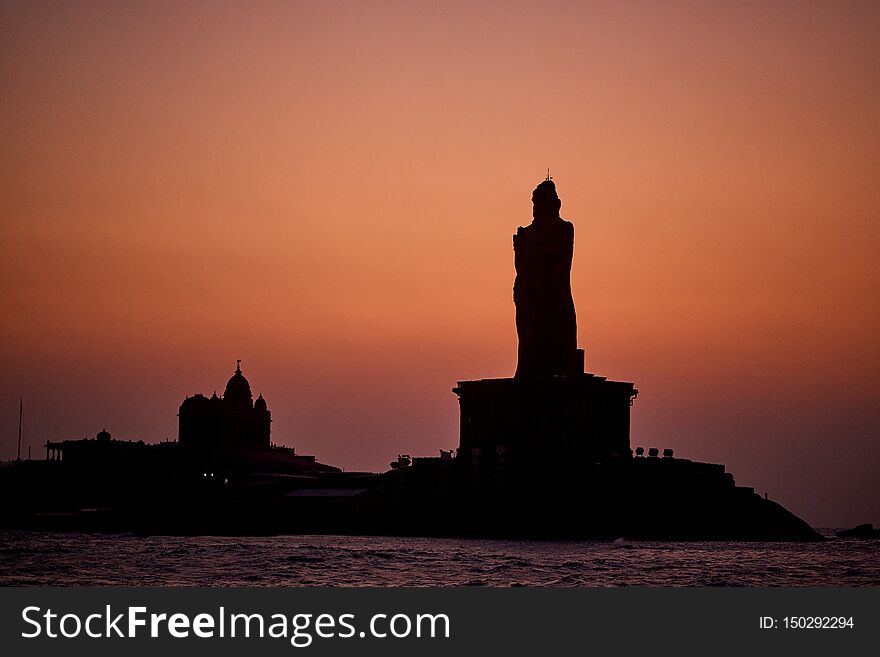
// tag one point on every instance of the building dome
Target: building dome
(260, 404)
(238, 390)
(194, 403)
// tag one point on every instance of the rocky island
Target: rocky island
(544, 454)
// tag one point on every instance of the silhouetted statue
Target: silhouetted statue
(545, 317)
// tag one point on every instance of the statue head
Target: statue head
(545, 201)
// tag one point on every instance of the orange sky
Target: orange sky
(328, 191)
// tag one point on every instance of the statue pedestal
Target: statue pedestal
(525, 423)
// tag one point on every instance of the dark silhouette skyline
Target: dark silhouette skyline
(544, 454)
(182, 188)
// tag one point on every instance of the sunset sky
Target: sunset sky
(328, 190)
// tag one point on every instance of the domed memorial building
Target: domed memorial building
(233, 421)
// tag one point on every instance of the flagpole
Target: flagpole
(20, 404)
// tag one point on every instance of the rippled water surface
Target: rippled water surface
(30, 558)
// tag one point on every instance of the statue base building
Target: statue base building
(515, 423)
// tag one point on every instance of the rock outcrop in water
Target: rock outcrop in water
(860, 531)
(547, 453)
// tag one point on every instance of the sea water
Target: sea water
(37, 558)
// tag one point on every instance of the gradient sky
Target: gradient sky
(327, 190)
